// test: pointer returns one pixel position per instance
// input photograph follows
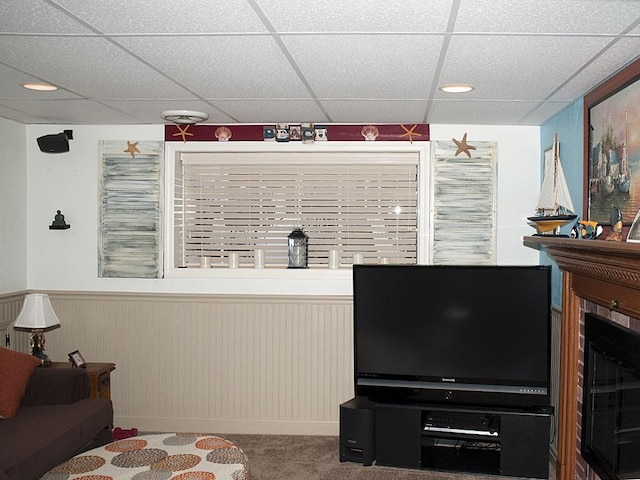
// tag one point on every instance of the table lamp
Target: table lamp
(37, 316)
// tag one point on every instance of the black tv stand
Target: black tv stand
(494, 441)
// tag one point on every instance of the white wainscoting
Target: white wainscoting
(211, 363)
(10, 305)
(226, 364)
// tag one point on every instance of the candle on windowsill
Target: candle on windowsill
(258, 258)
(334, 259)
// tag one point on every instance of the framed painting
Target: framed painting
(612, 147)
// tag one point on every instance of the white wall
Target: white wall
(518, 182)
(13, 207)
(67, 259)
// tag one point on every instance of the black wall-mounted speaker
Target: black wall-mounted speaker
(55, 143)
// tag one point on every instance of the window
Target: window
(354, 202)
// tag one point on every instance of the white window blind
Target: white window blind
(351, 202)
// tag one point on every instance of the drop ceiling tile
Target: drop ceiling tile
(148, 111)
(166, 16)
(11, 86)
(36, 16)
(543, 112)
(227, 54)
(376, 111)
(548, 16)
(87, 66)
(367, 66)
(18, 115)
(71, 112)
(223, 67)
(508, 67)
(479, 112)
(617, 56)
(357, 15)
(272, 111)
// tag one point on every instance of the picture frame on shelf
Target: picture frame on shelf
(610, 114)
(77, 360)
(634, 231)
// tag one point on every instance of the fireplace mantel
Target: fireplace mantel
(605, 273)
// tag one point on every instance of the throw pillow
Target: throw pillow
(15, 370)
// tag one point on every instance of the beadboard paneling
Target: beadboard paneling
(10, 305)
(233, 364)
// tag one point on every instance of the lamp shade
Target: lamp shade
(36, 314)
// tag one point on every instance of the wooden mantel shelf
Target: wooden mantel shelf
(607, 274)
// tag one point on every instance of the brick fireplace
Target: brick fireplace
(603, 278)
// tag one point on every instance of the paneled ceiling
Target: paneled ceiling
(341, 61)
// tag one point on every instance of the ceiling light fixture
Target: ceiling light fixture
(456, 88)
(41, 87)
(184, 116)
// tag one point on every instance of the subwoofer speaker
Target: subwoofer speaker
(357, 436)
(55, 143)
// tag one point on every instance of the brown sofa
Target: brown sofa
(55, 421)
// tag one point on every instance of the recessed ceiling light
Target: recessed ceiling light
(42, 87)
(456, 88)
(184, 116)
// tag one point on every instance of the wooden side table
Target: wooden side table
(99, 377)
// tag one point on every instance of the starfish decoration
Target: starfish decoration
(132, 148)
(183, 133)
(410, 132)
(463, 146)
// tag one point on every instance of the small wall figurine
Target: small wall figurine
(59, 223)
(616, 225)
(590, 230)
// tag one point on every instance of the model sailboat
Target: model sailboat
(555, 208)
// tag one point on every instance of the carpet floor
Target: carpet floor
(292, 457)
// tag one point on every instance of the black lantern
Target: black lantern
(298, 248)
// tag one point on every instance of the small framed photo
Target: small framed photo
(634, 231)
(76, 359)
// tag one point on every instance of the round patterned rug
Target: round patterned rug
(179, 456)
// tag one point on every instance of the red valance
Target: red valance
(297, 132)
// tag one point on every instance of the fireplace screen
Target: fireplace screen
(611, 402)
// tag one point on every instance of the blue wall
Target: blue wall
(568, 124)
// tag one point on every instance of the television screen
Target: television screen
(456, 334)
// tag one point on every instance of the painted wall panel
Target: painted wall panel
(227, 364)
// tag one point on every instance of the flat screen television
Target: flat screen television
(455, 335)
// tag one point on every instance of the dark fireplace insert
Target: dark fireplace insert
(611, 399)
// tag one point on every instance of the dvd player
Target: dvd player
(447, 422)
